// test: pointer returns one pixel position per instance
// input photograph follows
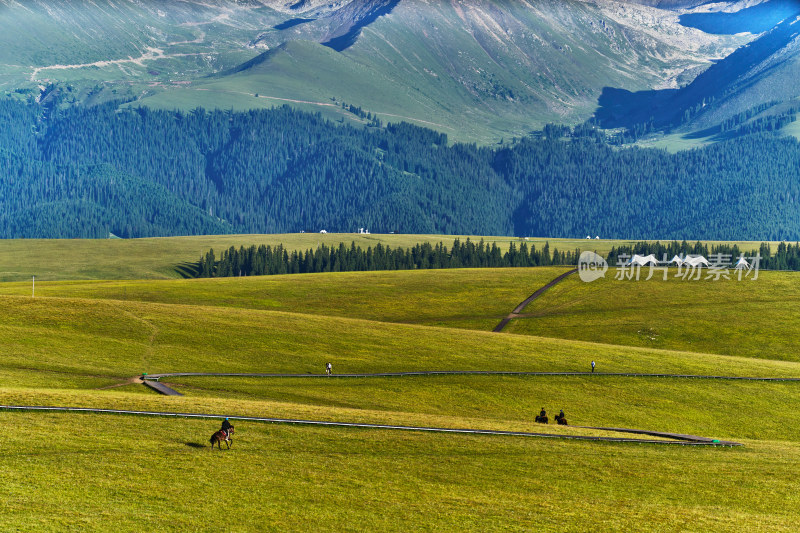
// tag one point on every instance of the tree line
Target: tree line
(269, 260)
(785, 257)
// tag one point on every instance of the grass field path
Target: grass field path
(517, 310)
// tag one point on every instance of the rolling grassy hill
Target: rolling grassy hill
(165, 257)
(746, 318)
(675, 314)
(62, 350)
(288, 478)
(489, 71)
(76, 339)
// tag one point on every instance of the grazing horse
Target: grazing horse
(220, 436)
(561, 420)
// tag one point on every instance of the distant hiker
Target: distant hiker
(328, 368)
(592, 367)
(226, 426)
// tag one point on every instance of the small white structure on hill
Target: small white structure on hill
(323, 231)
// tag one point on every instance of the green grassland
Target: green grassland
(750, 318)
(161, 258)
(417, 296)
(114, 339)
(100, 473)
(675, 142)
(81, 343)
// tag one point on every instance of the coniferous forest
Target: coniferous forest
(92, 171)
(267, 260)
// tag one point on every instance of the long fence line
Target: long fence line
(157, 377)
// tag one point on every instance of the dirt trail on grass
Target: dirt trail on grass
(130, 381)
(517, 310)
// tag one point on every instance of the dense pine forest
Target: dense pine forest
(781, 257)
(135, 172)
(266, 260)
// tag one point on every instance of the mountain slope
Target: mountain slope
(477, 70)
(763, 71)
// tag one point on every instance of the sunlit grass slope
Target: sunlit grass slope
(59, 339)
(279, 475)
(751, 318)
(709, 407)
(161, 258)
(468, 298)
(106, 473)
(79, 343)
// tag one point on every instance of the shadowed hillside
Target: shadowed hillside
(756, 73)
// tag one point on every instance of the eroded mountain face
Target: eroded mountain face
(477, 69)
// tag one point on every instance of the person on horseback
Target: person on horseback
(543, 414)
(561, 414)
(226, 426)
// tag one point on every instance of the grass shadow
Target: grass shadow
(195, 445)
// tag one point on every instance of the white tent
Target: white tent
(742, 264)
(677, 260)
(642, 260)
(695, 261)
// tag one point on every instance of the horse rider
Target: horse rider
(561, 414)
(328, 368)
(543, 414)
(226, 426)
